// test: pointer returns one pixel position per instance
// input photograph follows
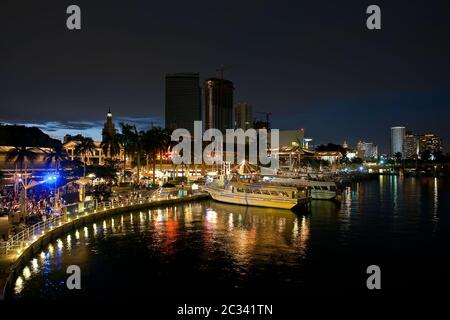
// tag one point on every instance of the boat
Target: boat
(258, 194)
(320, 190)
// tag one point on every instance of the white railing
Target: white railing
(23, 239)
(27, 236)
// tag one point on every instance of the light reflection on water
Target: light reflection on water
(240, 247)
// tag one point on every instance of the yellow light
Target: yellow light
(60, 244)
(26, 273)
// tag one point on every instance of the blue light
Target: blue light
(50, 178)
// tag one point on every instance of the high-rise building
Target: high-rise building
(397, 138)
(410, 146)
(366, 150)
(183, 100)
(430, 142)
(243, 116)
(218, 104)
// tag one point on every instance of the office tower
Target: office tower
(430, 142)
(218, 104)
(410, 146)
(243, 116)
(397, 138)
(183, 100)
(367, 150)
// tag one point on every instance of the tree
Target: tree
(165, 143)
(84, 148)
(56, 155)
(111, 145)
(356, 160)
(21, 156)
(425, 155)
(152, 144)
(127, 139)
(398, 157)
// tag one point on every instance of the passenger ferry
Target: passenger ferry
(320, 190)
(253, 194)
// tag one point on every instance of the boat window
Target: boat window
(284, 194)
(266, 192)
(333, 188)
(257, 191)
(317, 187)
(324, 188)
(248, 190)
(274, 193)
(240, 190)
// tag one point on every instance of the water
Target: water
(209, 249)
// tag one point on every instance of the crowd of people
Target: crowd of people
(40, 202)
(39, 206)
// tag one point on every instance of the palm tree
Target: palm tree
(56, 155)
(111, 145)
(165, 143)
(151, 145)
(21, 156)
(84, 148)
(128, 139)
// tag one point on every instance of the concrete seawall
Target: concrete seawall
(12, 264)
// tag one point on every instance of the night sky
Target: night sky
(313, 64)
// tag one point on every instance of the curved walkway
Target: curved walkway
(23, 246)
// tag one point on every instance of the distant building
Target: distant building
(411, 147)
(330, 156)
(183, 100)
(307, 144)
(218, 104)
(366, 150)
(397, 138)
(96, 157)
(243, 116)
(431, 143)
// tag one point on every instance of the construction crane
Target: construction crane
(268, 114)
(222, 69)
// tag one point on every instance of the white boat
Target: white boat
(320, 190)
(323, 190)
(251, 194)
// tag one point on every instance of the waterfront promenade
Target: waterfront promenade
(19, 249)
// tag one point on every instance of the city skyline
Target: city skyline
(340, 82)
